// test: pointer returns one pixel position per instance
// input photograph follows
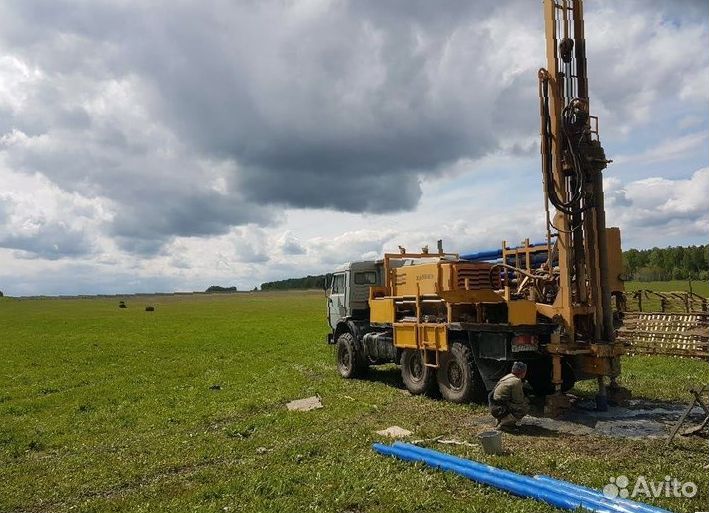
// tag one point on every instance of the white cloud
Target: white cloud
(660, 211)
(667, 150)
(40, 220)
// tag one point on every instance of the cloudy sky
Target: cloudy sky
(171, 145)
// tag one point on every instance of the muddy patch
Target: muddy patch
(641, 419)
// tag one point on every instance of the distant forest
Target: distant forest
(218, 288)
(309, 282)
(656, 264)
(673, 263)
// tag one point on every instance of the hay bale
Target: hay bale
(122, 304)
(149, 308)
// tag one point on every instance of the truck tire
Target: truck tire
(350, 362)
(458, 378)
(418, 378)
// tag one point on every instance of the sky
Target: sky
(172, 145)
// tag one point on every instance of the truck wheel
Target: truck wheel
(458, 379)
(350, 363)
(418, 378)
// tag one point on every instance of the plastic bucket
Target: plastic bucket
(491, 442)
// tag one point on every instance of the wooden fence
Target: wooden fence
(674, 334)
(646, 300)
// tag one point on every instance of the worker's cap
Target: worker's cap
(519, 367)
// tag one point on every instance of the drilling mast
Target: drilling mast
(573, 161)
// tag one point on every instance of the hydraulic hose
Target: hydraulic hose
(521, 271)
(566, 207)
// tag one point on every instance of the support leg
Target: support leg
(618, 395)
(557, 402)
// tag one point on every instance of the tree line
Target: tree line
(220, 289)
(656, 264)
(672, 263)
(308, 282)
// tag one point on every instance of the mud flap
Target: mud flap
(491, 370)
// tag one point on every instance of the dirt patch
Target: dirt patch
(395, 432)
(641, 419)
(307, 404)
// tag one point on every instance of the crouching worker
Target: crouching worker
(507, 401)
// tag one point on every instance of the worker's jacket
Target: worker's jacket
(508, 397)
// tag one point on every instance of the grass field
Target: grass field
(108, 409)
(698, 287)
(652, 303)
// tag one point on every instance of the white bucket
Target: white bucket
(491, 442)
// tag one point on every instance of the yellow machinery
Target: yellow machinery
(588, 254)
(461, 323)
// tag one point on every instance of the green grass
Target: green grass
(698, 287)
(105, 409)
(652, 303)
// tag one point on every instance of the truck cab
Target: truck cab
(348, 293)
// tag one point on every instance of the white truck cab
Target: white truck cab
(348, 291)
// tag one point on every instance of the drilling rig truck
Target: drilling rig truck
(457, 323)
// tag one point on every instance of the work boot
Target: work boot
(506, 422)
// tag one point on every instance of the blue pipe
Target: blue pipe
(491, 254)
(549, 482)
(590, 499)
(597, 502)
(513, 486)
(579, 489)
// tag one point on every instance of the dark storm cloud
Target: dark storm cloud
(313, 106)
(356, 192)
(145, 229)
(194, 118)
